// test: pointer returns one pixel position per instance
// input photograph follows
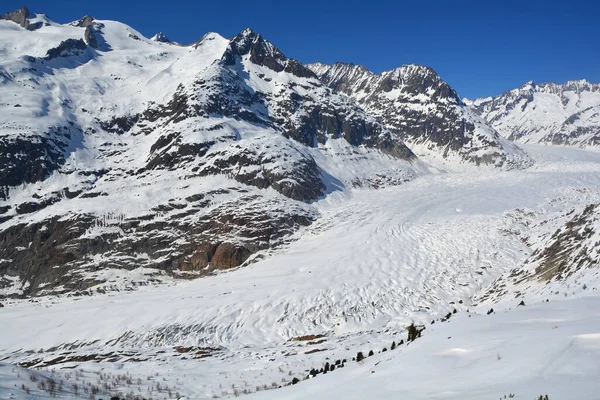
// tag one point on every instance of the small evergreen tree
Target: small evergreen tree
(360, 356)
(371, 353)
(393, 347)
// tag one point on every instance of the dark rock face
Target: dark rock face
(571, 248)
(161, 37)
(303, 110)
(20, 17)
(23, 160)
(220, 239)
(69, 47)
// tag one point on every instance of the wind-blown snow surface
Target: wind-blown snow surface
(373, 262)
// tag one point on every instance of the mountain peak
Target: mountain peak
(528, 85)
(262, 52)
(85, 21)
(160, 37)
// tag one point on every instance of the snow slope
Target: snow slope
(546, 349)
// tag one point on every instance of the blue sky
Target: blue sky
(481, 48)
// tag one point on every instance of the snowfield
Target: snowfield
(374, 261)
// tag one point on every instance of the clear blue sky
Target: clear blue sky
(481, 48)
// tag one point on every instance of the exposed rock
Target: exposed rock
(263, 53)
(303, 110)
(85, 21)
(23, 160)
(20, 17)
(563, 257)
(62, 253)
(69, 47)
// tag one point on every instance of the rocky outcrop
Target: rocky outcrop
(85, 21)
(27, 160)
(303, 110)
(161, 38)
(21, 17)
(67, 48)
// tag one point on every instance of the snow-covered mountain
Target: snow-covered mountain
(548, 113)
(415, 103)
(120, 153)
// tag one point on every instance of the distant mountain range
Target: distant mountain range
(548, 113)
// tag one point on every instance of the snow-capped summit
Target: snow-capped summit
(561, 114)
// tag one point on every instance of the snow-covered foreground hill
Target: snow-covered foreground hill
(372, 263)
(546, 349)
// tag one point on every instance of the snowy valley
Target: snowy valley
(218, 220)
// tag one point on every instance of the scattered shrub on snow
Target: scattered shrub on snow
(414, 332)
